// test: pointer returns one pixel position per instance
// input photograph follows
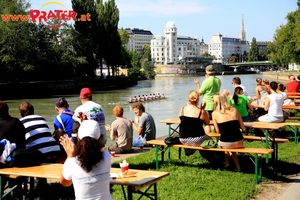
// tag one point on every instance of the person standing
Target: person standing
(86, 166)
(210, 86)
(63, 122)
(120, 130)
(145, 126)
(89, 110)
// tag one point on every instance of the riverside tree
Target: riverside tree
(254, 51)
(285, 47)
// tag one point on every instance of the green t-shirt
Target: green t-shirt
(208, 89)
(242, 107)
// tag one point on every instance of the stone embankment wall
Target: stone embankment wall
(279, 76)
(21, 90)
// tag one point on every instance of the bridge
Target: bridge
(250, 64)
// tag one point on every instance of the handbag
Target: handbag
(209, 143)
(172, 140)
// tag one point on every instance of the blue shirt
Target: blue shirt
(67, 121)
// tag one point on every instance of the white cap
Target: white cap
(89, 128)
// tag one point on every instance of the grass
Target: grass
(194, 178)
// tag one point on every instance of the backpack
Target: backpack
(25, 158)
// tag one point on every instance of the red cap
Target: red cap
(85, 92)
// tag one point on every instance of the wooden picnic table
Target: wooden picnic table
(261, 125)
(144, 178)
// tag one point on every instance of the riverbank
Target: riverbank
(279, 76)
(38, 89)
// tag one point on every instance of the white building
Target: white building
(171, 48)
(137, 38)
(223, 47)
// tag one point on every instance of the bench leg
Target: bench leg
(156, 156)
(256, 169)
(296, 134)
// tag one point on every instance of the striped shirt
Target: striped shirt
(38, 135)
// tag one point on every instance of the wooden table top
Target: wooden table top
(264, 125)
(53, 171)
(171, 121)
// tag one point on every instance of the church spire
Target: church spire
(243, 33)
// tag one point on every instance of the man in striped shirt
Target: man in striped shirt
(37, 133)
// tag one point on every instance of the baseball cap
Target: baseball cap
(210, 69)
(61, 103)
(89, 128)
(85, 92)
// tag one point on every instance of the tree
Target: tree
(86, 42)
(124, 36)
(285, 47)
(135, 65)
(112, 42)
(254, 51)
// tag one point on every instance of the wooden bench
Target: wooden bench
(257, 152)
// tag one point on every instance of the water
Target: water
(175, 89)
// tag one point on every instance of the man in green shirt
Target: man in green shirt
(210, 86)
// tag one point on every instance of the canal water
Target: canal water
(175, 89)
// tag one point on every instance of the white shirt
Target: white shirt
(93, 111)
(93, 185)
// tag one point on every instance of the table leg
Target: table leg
(156, 156)
(1, 189)
(155, 190)
(129, 192)
(267, 144)
(296, 134)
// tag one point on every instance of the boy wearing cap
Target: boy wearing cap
(63, 122)
(91, 111)
(210, 86)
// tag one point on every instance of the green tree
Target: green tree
(112, 42)
(135, 65)
(14, 40)
(85, 41)
(254, 51)
(124, 36)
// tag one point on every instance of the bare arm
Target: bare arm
(198, 86)
(267, 103)
(137, 129)
(65, 182)
(214, 116)
(257, 94)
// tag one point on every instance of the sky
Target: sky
(201, 18)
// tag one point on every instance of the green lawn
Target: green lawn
(193, 178)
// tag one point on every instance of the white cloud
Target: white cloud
(161, 7)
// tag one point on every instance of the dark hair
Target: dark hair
(3, 109)
(25, 109)
(88, 152)
(235, 95)
(139, 106)
(258, 80)
(237, 80)
(274, 85)
(281, 87)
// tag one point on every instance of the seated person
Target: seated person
(145, 127)
(242, 104)
(228, 122)
(260, 89)
(192, 119)
(273, 104)
(120, 130)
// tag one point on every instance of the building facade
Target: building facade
(137, 38)
(223, 47)
(170, 48)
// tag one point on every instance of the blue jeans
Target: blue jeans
(138, 142)
(247, 118)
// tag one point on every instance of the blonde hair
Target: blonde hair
(221, 102)
(193, 97)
